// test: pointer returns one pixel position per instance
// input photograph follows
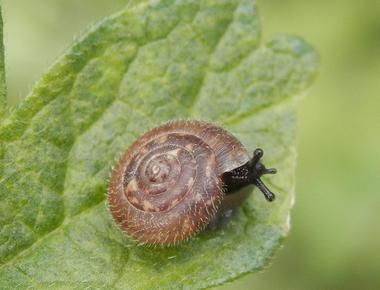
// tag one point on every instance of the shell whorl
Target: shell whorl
(166, 186)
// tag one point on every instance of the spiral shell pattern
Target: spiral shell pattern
(166, 186)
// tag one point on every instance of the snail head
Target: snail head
(256, 169)
(249, 174)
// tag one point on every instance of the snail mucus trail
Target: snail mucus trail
(179, 178)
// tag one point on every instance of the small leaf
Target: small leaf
(2, 71)
(152, 62)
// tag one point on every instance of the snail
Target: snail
(176, 178)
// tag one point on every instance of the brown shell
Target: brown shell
(166, 186)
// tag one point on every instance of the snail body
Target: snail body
(174, 179)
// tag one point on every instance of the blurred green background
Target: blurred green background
(335, 238)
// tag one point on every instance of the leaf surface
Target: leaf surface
(152, 62)
(2, 71)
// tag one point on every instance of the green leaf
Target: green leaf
(2, 71)
(152, 62)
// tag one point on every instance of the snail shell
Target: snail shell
(166, 187)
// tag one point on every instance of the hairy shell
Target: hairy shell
(166, 186)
